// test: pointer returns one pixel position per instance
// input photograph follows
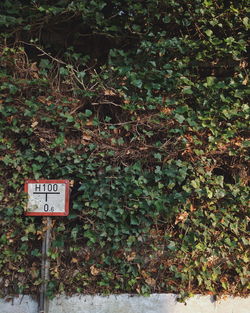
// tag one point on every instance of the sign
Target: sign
(47, 197)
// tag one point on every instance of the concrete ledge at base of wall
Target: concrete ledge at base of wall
(155, 303)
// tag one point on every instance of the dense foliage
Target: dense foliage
(143, 106)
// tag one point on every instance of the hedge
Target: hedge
(143, 106)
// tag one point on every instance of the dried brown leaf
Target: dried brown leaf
(109, 92)
(151, 281)
(131, 256)
(34, 124)
(86, 137)
(181, 217)
(94, 271)
(245, 81)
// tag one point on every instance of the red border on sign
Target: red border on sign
(49, 181)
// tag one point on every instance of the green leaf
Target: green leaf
(172, 246)
(88, 113)
(209, 32)
(179, 118)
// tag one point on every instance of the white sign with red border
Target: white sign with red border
(47, 197)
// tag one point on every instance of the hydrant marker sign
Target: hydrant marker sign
(47, 197)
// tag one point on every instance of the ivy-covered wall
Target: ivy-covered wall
(143, 106)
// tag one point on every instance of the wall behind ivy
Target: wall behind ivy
(143, 107)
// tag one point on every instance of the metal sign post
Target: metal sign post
(46, 198)
(43, 303)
